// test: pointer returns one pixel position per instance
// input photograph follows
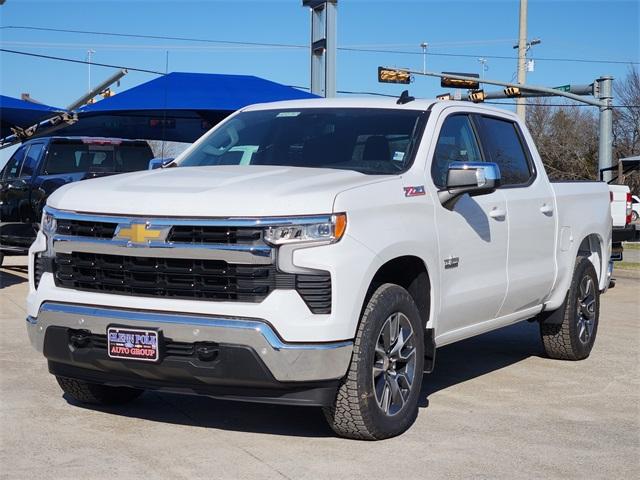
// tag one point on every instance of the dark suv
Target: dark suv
(43, 165)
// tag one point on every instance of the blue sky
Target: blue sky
(604, 30)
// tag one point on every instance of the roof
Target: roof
(349, 102)
(177, 106)
(19, 113)
(198, 91)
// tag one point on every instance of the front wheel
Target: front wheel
(634, 216)
(379, 396)
(572, 338)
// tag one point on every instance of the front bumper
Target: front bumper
(250, 354)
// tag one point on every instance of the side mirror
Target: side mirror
(474, 178)
(159, 162)
(18, 184)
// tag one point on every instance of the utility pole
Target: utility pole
(522, 57)
(424, 46)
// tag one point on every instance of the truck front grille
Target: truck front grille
(207, 234)
(83, 228)
(188, 234)
(211, 280)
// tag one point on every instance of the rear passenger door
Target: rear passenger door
(530, 214)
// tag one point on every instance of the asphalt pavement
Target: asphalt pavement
(494, 408)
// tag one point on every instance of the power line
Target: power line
(285, 45)
(72, 60)
(153, 37)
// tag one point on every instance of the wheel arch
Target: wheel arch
(411, 273)
(593, 247)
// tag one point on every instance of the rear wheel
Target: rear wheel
(95, 394)
(573, 336)
(379, 396)
(634, 216)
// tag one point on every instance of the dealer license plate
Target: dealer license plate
(133, 344)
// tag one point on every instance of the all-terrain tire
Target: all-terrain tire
(356, 412)
(565, 339)
(95, 394)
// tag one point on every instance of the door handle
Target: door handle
(497, 213)
(546, 209)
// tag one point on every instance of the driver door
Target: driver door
(472, 238)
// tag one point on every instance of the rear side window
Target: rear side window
(503, 145)
(80, 157)
(12, 169)
(456, 143)
(31, 160)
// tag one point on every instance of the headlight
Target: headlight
(329, 231)
(48, 223)
(48, 227)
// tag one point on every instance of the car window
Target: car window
(503, 145)
(31, 159)
(12, 169)
(82, 156)
(367, 140)
(456, 143)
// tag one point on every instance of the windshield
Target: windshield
(371, 141)
(78, 157)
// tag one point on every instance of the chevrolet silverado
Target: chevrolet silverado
(317, 252)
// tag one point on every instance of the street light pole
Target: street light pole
(90, 52)
(484, 68)
(424, 46)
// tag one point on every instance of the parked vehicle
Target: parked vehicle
(635, 208)
(41, 166)
(622, 216)
(361, 235)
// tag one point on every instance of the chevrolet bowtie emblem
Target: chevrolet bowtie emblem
(141, 233)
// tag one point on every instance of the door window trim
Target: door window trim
(533, 171)
(476, 136)
(37, 164)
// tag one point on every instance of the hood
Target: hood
(218, 191)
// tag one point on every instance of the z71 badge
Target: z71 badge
(414, 191)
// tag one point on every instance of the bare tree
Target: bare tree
(567, 139)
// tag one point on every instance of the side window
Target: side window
(503, 145)
(12, 169)
(456, 143)
(31, 160)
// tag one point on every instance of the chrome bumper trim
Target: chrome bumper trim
(288, 362)
(244, 254)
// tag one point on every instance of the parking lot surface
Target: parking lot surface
(494, 408)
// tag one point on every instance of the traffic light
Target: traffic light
(448, 82)
(477, 96)
(391, 75)
(512, 92)
(107, 93)
(444, 96)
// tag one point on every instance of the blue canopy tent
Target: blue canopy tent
(177, 106)
(21, 114)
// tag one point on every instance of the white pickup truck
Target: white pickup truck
(325, 269)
